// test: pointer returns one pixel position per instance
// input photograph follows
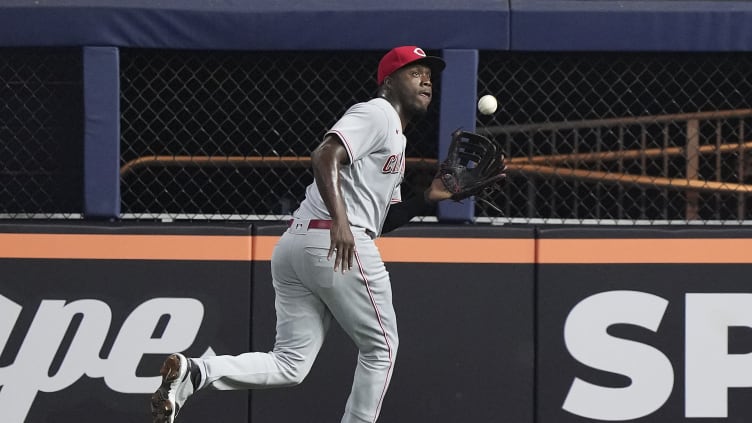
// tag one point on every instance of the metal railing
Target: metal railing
(679, 139)
(692, 153)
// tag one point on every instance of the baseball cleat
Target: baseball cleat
(177, 385)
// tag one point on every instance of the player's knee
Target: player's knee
(296, 373)
(296, 377)
(381, 355)
(392, 345)
(294, 369)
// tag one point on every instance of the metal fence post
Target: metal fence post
(459, 85)
(101, 132)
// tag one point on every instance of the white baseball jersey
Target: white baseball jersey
(372, 135)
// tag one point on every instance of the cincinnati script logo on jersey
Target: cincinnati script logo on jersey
(394, 164)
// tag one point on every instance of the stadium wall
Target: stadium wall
(555, 325)
(458, 29)
(497, 324)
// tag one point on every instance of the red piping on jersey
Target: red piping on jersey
(386, 338)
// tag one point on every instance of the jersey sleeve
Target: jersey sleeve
(397, 193)
(361, 129)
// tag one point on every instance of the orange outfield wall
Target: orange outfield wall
(393, 249)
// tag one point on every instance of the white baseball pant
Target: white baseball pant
(308, 293)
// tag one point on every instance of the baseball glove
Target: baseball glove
(474, 165)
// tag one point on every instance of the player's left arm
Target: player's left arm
(401, 213)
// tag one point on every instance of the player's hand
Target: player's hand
(342, 246)
(437, 192)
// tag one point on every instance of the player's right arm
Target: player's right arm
(327, 160)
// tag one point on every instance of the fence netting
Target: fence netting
(591, 137)
(641, 137)
(41, 133)
(229, 135)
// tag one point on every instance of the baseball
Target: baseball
(487, 104)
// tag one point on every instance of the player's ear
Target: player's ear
(385, 87)
(388, 82)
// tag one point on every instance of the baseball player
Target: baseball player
(326, 264)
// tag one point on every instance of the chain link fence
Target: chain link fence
(41, 133)
(591, 137)
(209, 135)
(609, 138)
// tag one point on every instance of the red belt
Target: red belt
(325, 224)
(315, 224)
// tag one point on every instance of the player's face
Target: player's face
(412, 85)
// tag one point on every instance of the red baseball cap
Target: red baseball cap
(401, 56)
